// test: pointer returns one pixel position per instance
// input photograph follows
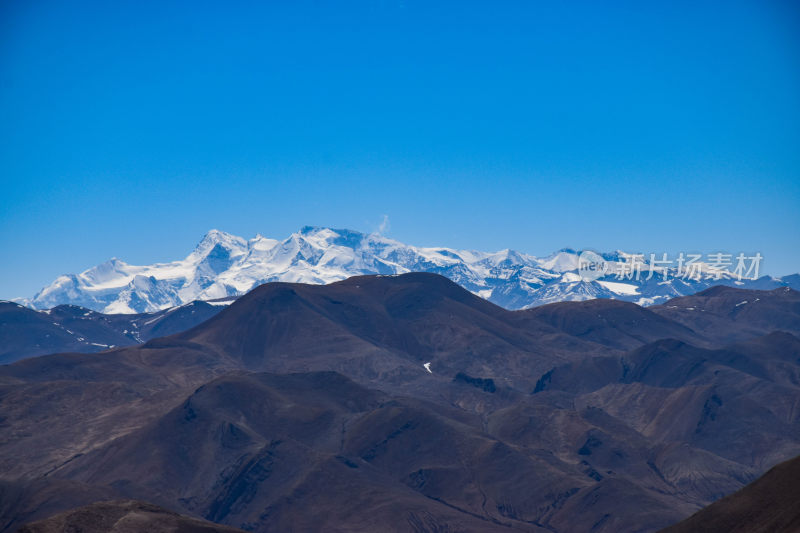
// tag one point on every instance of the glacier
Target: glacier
(224, 265)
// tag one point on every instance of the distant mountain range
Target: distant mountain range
(225, 265)
(27, 332)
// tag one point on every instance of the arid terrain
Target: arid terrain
(406, 403)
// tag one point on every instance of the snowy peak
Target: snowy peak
(108, 271)
(562, 261)
(225, 265)
(219, 240)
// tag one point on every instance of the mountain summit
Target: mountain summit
(224, 265)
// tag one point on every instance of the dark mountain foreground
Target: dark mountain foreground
(123, 516)
(406, 403)
(771, 504)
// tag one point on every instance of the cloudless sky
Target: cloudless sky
(129, 129)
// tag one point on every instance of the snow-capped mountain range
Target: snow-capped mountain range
(225, 265)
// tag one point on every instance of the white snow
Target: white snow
(224, 265)
(156, 319)
(560, 262)
(620, 288)
(220, 304)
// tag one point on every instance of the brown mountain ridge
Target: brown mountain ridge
(312, 408)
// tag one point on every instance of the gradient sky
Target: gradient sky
(130, 129)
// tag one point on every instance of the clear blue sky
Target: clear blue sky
(131, 128)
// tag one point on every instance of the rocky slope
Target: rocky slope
(407, 403)
(123, 516)
(767, 505)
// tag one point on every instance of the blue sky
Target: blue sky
(130, 129)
